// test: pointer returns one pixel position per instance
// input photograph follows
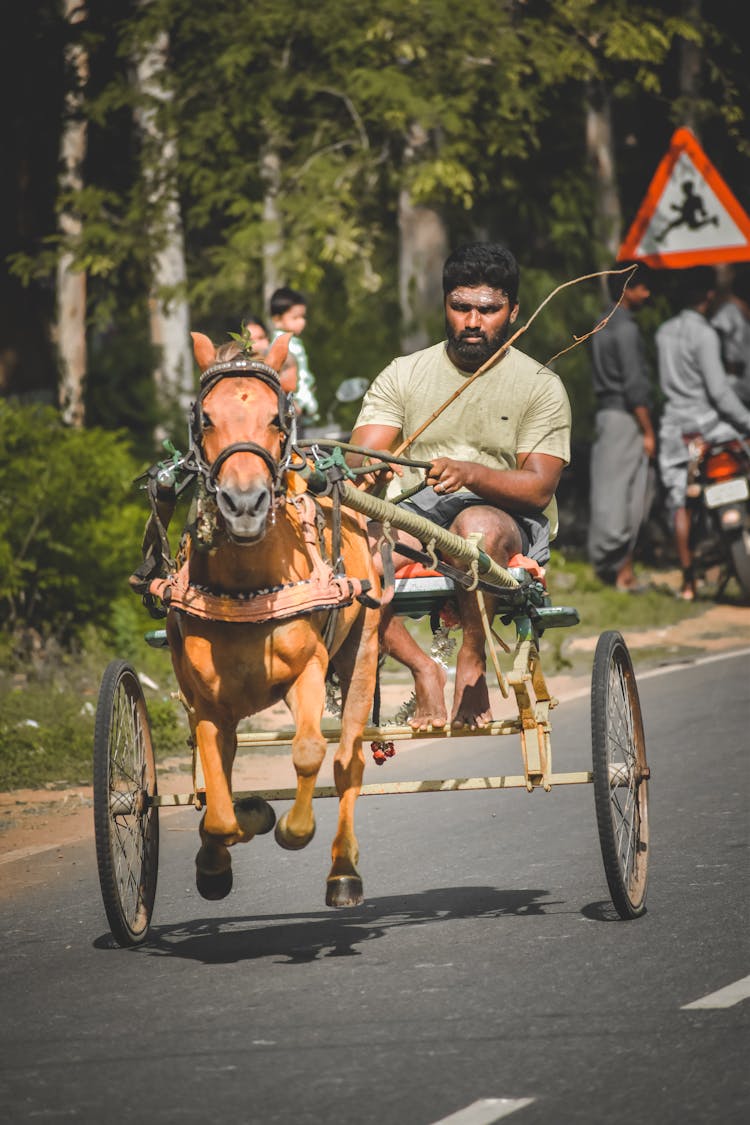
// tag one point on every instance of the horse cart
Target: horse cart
(127, 798)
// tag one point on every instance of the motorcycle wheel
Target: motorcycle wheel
(740, 551)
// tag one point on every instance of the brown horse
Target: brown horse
(232, 668)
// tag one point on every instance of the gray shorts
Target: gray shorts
(442, 510)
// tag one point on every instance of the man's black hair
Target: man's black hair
(282, 300)
(695, 284)
(641, 275)
(482, 263)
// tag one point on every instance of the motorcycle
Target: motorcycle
(347, 393)
(718, 499)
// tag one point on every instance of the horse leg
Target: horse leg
(306, 698)
(223, 823)
(356, 666)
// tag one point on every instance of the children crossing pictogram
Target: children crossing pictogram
(689, 216)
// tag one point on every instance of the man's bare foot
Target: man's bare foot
(429, 688)
(471, 702)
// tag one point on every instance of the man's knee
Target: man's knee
(500, 533)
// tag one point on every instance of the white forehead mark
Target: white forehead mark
(479, 295)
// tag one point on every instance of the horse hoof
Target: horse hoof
(344, 890)
(285, 840)
(214, 887)
(254, 815)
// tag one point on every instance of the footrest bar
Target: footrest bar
(396, 734)
(404, 788)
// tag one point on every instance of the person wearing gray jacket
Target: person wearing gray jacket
(624, 442)
(700, 402)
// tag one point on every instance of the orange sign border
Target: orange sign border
(685, 141)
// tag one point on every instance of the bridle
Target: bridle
(195, 460)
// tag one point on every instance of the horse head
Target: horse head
(241, 426)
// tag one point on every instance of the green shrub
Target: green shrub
(70, 522)
(46, 735)
(169, 728)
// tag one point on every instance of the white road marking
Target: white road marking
(485, 1111)
(725, 997)
(663, 670)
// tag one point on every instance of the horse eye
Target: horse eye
(207, 421)
(276, 422)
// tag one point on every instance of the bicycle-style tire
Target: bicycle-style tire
(620, 775)
(125, 819)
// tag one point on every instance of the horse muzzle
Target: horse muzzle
(244, 511)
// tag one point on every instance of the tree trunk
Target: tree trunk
(168, 307)
(70, 328)
(270, 170)
(423, 248)
(691, 64)
(607, 224)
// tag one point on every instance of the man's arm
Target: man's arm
(717, 385)
(636, 384)
(643, 418)
(372, 436)
(528, 488)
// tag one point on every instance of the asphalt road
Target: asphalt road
(486, 969)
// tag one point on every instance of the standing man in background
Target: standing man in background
(289, 314)
(732, 322)
(624, 442)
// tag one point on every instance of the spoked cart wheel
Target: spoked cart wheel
(126, 822)
(620, 775)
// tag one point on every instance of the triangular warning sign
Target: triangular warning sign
(689, 216)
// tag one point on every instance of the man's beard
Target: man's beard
(471, 354)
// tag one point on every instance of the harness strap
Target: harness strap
(242, 447)
(311, 595)
(323, 590)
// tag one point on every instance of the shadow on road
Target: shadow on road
(297, 939)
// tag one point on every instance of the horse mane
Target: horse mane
(225, 352)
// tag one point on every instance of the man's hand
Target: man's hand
(447, 475)
(527, 488)
(372, 482)
(643, 418)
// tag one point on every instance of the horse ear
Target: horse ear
(276, 355)
(203, 350)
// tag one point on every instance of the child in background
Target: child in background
(258, 333)
(289, 314)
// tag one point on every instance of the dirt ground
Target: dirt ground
(34, 821)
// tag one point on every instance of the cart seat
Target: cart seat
(418, 590)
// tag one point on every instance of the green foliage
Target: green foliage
(45, 736)
(298, 126)
(169, 728)
(48, 699)
(69, 524)
(573, 582)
